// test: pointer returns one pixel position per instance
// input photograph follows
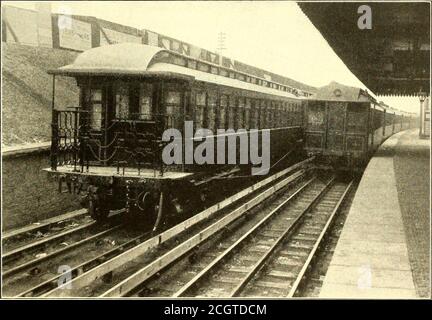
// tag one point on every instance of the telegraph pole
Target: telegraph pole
(221, 42)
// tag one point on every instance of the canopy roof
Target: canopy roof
(393, 58)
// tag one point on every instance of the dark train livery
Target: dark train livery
(345, 125)
(109, 148)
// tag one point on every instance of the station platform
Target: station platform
(384, 247)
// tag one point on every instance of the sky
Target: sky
(275, 35)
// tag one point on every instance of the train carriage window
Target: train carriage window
(297, 115)
(211, 109)
(122, 101)
(240, 77)
(276, 115)
(357, 117)
(272, 115)
(222, 110)
(255, 114)
(231, 112)
(300, 114)
(269, 113)
(288, 114)
(214, 70)
(293, 114)
(316, 116)
(96, 109)
(282, 114)
(240, 113)
(285, 114)
(336, 115)
(247, 114)
(262, 120)
(279, 114)
(145, 102)
(200, 108)
(173, 108)
(232, 75)
(172, 98)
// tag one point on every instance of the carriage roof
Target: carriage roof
(139, 60)
(338, 92)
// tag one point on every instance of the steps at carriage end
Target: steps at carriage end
(377, 255)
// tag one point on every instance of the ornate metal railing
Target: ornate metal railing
(81, 141)
(65, 144)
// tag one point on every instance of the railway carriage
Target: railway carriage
(345, 125)
(109, 148)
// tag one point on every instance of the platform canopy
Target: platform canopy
(392, 58)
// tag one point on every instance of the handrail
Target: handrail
(76, 142)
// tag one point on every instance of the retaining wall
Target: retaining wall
(28, 194)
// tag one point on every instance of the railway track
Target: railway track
(315, 275)
(99, 277)
(34, 252)
(50, 228)
(27, 257)
(39, 245)
(109, 266)
(270, 259)
(33, 274)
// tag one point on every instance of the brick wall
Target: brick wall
(29, 194)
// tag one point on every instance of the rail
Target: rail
(82, 280)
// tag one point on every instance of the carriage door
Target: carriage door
(316, 125)
(95, 123)
(335, 126)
